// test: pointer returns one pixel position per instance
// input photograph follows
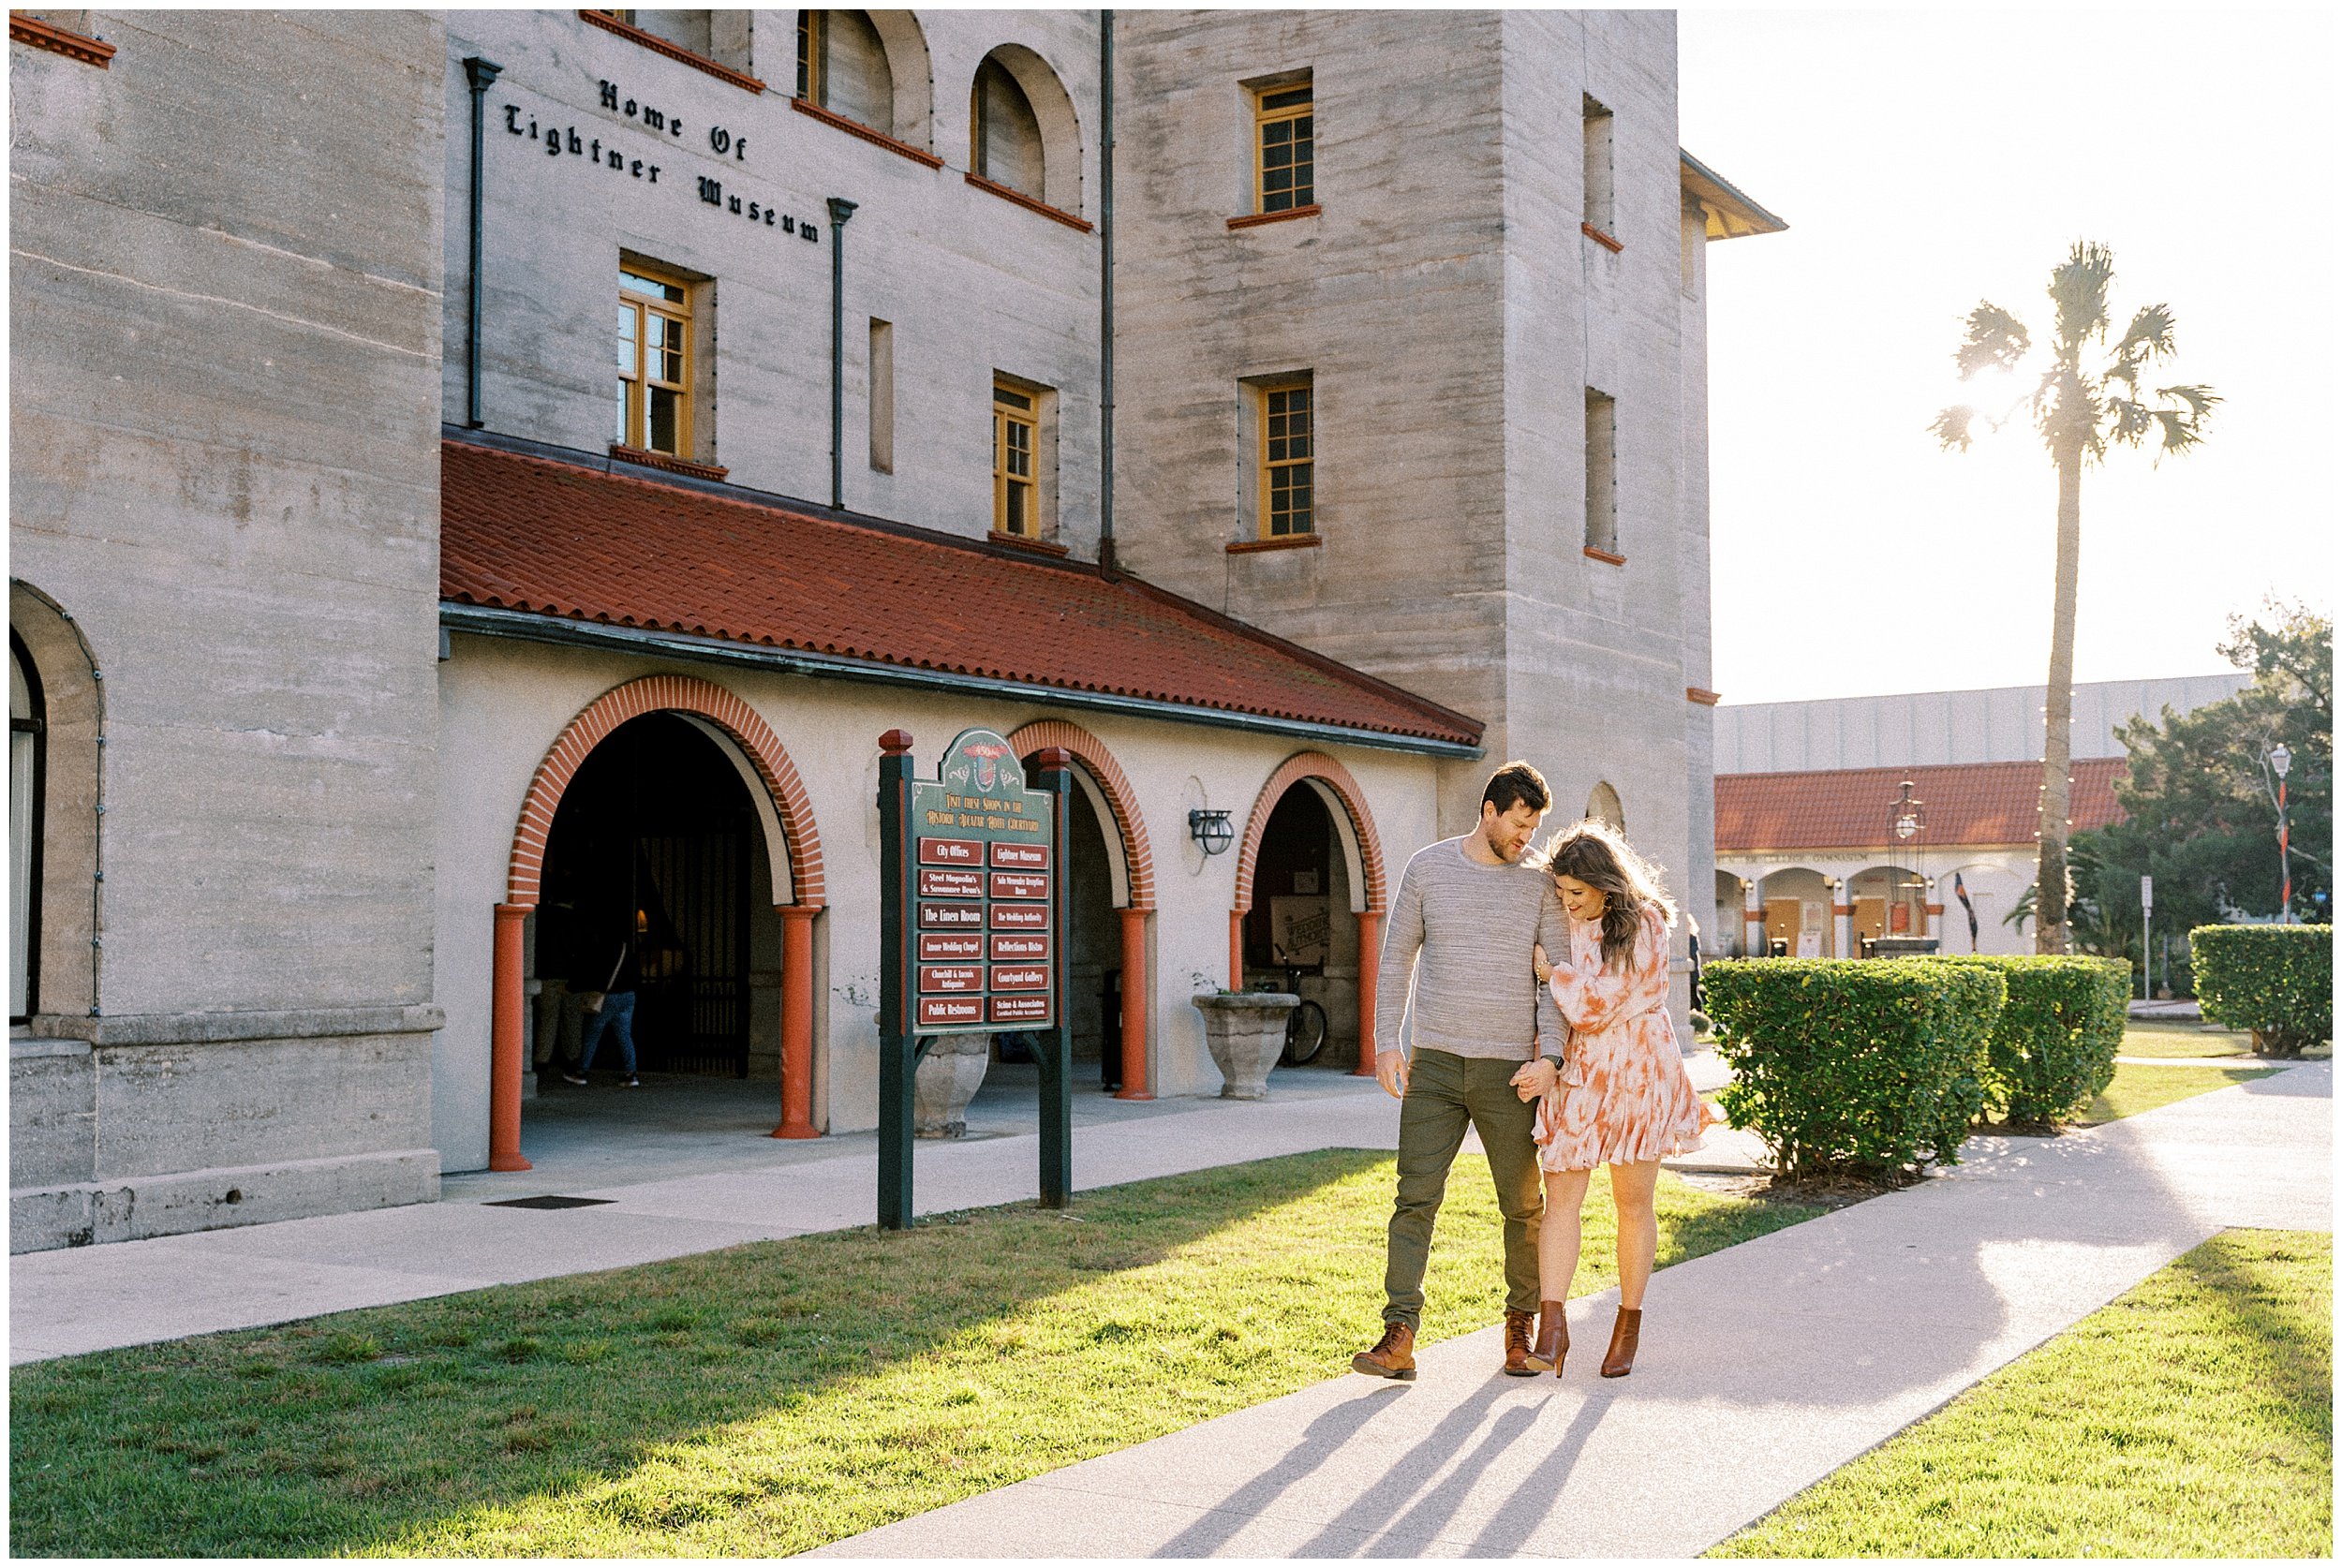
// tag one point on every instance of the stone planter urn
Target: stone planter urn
(1245, 1032)
(948, 1077)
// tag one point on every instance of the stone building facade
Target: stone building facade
(224, 496)
(850, 269)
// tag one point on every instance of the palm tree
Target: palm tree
(2079, 406)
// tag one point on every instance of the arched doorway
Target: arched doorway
(1114, 892)
(25, 790)
(1602, 806)
(655, 850)
(1311, 852)
(1731, 935)
(793, 859)
(56, 810)
(1797, 913)
(1888, 901)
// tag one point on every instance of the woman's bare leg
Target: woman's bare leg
(1557, 1242)
(1634, 1190)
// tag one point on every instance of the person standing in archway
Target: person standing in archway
(612, 968)
(1468, 914)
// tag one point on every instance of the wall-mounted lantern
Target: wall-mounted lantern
(1210, 830)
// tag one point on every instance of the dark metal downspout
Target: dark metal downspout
(480, 73)
(1106, 562)
(839, 211)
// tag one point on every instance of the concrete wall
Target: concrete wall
(226, 313)
(505, 703)
(1392, 297)
(1454, 315)
(1998, 724)
(973, 283)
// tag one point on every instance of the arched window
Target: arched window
(1602, 806)
(1005, 134)
(25, 807)
(842, 67)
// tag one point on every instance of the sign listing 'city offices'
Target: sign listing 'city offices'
(972, 896)
(986, 923)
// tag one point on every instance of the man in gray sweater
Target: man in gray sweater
(1462, 932)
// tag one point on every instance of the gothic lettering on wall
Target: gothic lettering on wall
(570, 141)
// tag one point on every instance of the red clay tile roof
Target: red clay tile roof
(1972, 804)
(528, 533)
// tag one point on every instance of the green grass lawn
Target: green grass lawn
(766, 1399)
(2146, 1037)
(2142, 1087)
(2193, 1417)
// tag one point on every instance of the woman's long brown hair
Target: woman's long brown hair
(1599, 856)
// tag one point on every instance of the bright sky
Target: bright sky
(1926, 159)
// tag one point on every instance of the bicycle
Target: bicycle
(1305, 1026)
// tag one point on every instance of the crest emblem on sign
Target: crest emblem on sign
(975, 764)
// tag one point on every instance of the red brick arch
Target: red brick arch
(1324, 770)
(525, 875)
(1138, 863)
(667, 694)
(1317, 765)
(1088, 751)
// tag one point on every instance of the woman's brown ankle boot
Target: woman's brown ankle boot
(1552, 1336)
(1623, 1335)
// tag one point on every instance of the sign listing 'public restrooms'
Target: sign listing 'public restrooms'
(972, 893)
(985, 924)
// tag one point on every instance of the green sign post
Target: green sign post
(972, 929)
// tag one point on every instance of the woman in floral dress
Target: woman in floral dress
(1621, 1095)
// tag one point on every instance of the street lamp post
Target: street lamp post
(2282, 760)
(1906, 818)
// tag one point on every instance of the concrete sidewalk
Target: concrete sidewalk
(716, 1188)
(679, 1167)
(1764, 1367)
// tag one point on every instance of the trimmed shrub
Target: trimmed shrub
(2277, 980)
(2052, 1048)
(1866, 1067)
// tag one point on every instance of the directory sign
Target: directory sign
(985, 922)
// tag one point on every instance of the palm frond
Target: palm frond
(2200, 399)
(2150, 334)
(1995, 340)
(1950, 427)
(2078, 287)
(2179, 431)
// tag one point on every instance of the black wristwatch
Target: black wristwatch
(1557, 1063)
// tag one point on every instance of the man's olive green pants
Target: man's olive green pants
(1445, 1094)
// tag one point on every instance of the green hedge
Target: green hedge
(2277, 980)
(1868, 1067)
(2053, 1046)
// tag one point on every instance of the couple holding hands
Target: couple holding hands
(1539, 1000)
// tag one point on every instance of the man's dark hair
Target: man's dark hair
(1514, 784)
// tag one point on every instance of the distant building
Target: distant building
(1808, 859)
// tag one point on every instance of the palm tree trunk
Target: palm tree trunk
(2049, 906)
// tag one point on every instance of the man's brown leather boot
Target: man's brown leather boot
(1552, 1343)
(1623, 1335)
(1393, 1355)
(1518, 1362)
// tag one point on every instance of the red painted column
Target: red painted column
(1136, 987)
(1370, 968)
(504, 1044)
(796, 1022)
(1236, 950)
